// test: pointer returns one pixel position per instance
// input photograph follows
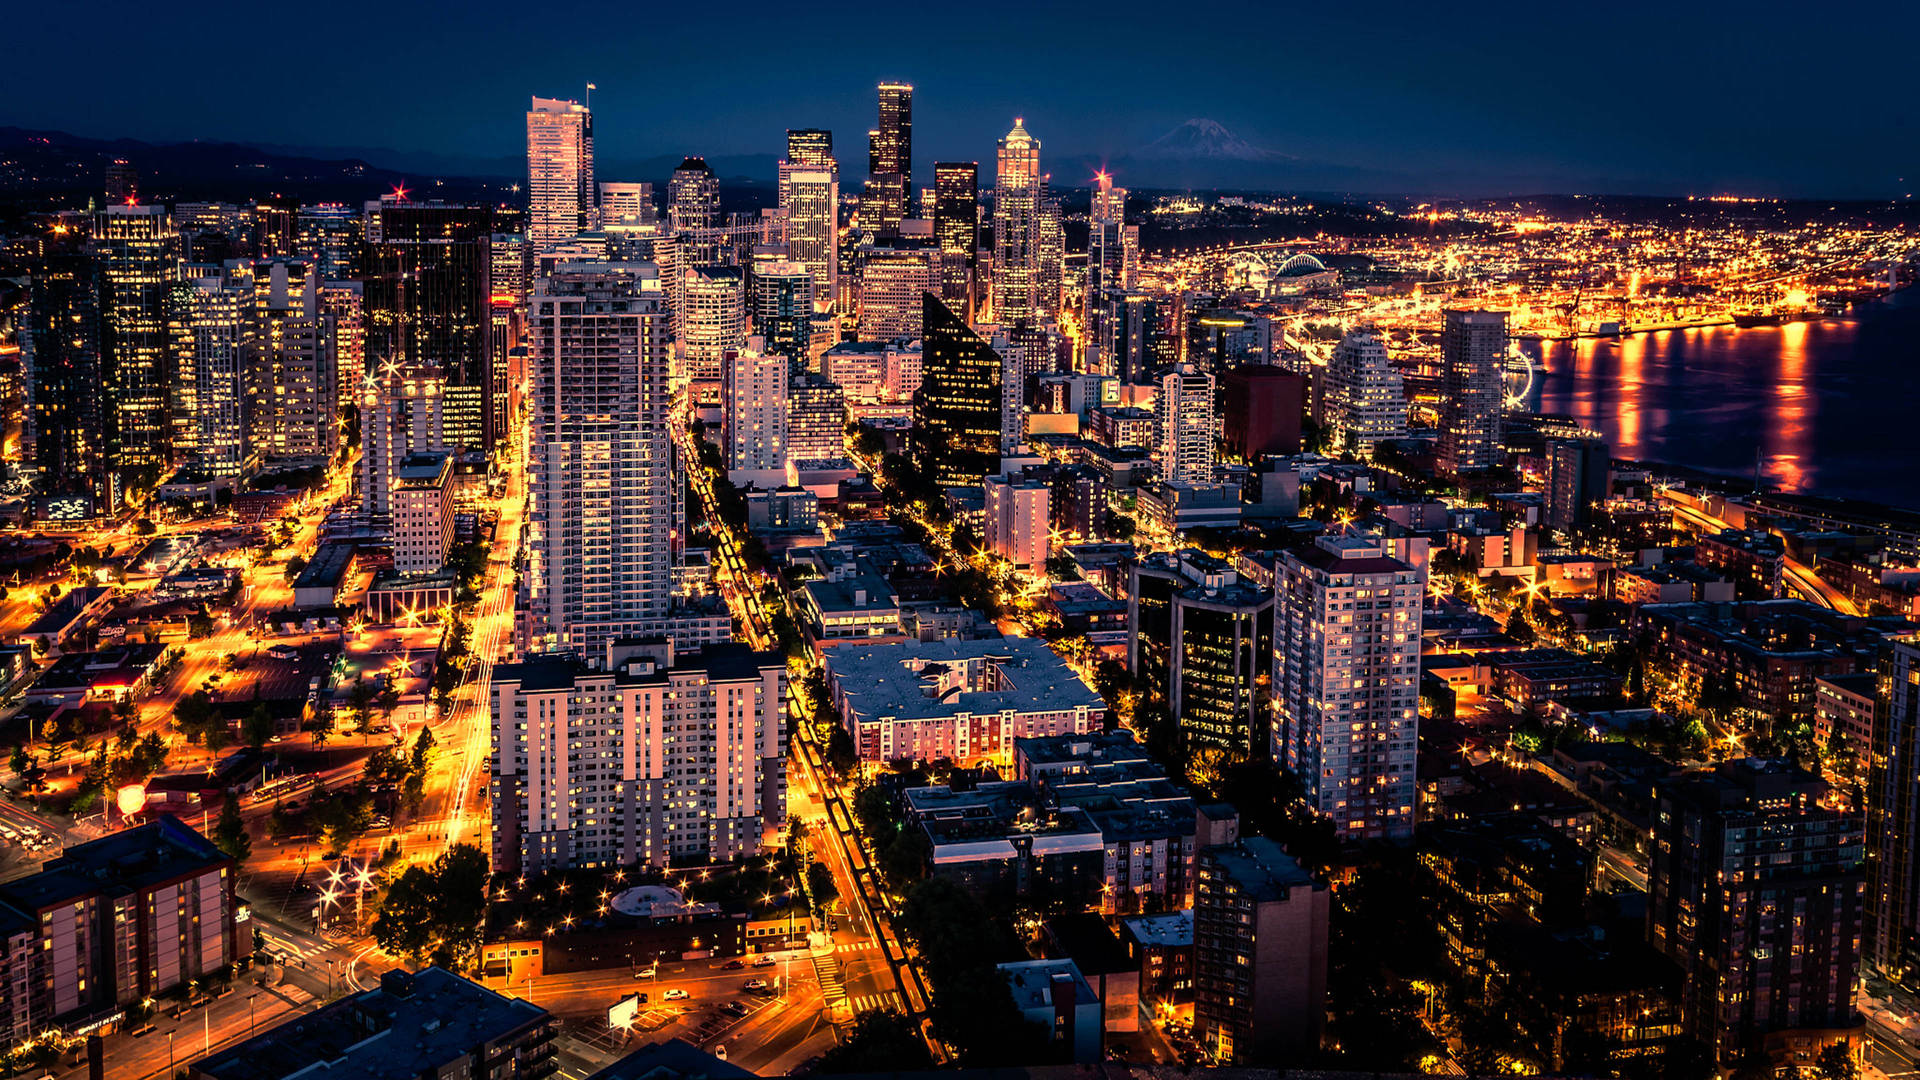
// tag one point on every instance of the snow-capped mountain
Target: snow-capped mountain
(1200, 139)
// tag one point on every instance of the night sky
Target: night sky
(1758, 97)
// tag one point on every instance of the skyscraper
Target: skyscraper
(208, 317)
(600, 521)
(428, 284)
(1051, 280)
(816, 419)
(1017, 196)
(693, 196)
(1893, 815)
(1183, 425)
(892, 282)
(810, 148)
(139, 258)
(625, 207)
(811, 197)
(1473, 351)
(65, 424)
(714, 322)
(560, 188)
(328, 236)
(1755, 889)
(1201, 641)
(1346, 682)
(1364, 400)
(292, 365)
(956, 229)
(1579, 472)
(957, 411)
(753, 414)
(403, 412)
(890, 161)
(1109, 259)
(1260, 924)
(783, 310)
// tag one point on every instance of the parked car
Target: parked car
(755, 984)
(675, 994)
(733, 965)
(647, 972)
(763, 960)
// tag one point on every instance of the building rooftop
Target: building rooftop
(1032, 982)
(674, 1059)
(1172, 929)
(148, 854)
(1260, 868)
(917, 680)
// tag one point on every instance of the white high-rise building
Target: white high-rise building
(1018, 192)
(560, 188)
(208, 318)
(1346, 682)
(627, 207)
(810, 194)
(754, 414)
(601, 518)
(714, 322)
(638, 759)
(1016, 523)
(403, 411)
(1473, 353)
(1183, 425)
(292, 365)
(1365, 401)
(893, 286)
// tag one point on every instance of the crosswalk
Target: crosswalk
(867, 1003)
(827, 970)
(856, 946)
(282, 947)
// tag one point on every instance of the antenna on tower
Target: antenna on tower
(590, 89)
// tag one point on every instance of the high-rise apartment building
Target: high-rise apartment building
(1755, 889)
(1579, 475)
(1260, 924)
(714, 321)
(601, 522)
(811, 197)
(956, 230)
(1262, 407)
(1017, 522)
(816, 419)
(1364, 399)
(627, 207)
(327, 236)
(560, 188)
(1183, 425)
(890, 162)
(640, 759)
(1473, 353)
(957, 413)
(1019, 190)
(422, 512)
(343, 305)
(428, 296)
(64, 430)
(693, 196)
(783, 310)
(1893, 815)
(1051, 280)
(403, 412)
(893, 283)
(138, 251)
(753, 412)
(1110, 256)
(292, 367)
(1201, 639)
(1346, 682)
(208, 315)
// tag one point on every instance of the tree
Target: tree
(436, 911)
(879, 1042)
(387, 700)
(322, 724)
(294, 566)
(1837, 1063)
(404, 924)
(230, 833)
(258, 727)
(19, 761)
(904, 860)
(144, 527)
(820, 881)
(360, 706)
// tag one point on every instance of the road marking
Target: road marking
(867, 1003)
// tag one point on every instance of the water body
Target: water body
(1831, 407)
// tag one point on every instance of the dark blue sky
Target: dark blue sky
(1760, 97)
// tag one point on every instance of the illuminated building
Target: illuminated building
(208, 318)
(816, 419)
(601, 516)
(956, 229)
(693, 197)
(343, 306)
(715, 320)
(1893, 815)
(1364, 399)
(1016, 523)
(957, 411)
(1579, 474)
(892, 283)
(753, 413)
(1346, 682)
(428, 297)
(122, 181)
(640, 758)
(422, 513)
(292, 394)
(810, 148)
(560, 188)
(1473, 351)
(1019, 190)
(64, 428)
(1201, 640)
(1109, 257)
(402, 413)
(889, 162)
(139, 256)
(1260, 925)
(812, 201)
(625, 207)
(328, 236)
(1050, 281)
(1183, 425)
(783, 310)
(1128, 328)
(1755, 890)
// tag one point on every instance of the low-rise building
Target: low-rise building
(1054, 995)
(421, 509)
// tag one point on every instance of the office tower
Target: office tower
(812, 201)
(1018, 193)
(115, 921)
(1183, 425)
(600, 527)
(344, 308)
(892, 283)
(1013, 387)
(1346, 682)
(122, 182)
(1050, 281)
(1128, 327)
(1263, 407)
(693, 196)
(1017, 522)
(1109, 261)
(427, 296)
(957, 411)
(139, 256)
(64, 430)
(403, 412)
(783, 311)
(889, 162)
(1579, 475)
(1201, 640)
(1755, 889)
(1364, 399)
(1893, 814)
(956, 230)
(753, 413)
(625, 207)
(1260, 923)
(816, 420)
(327, 235)
(642, 758)
(275, 234)
(209, 317)
(810, 148)
(1473, 352)
(448, 1026)
(421, 527)
(560, 188)
(715, 320)
(291, 385)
